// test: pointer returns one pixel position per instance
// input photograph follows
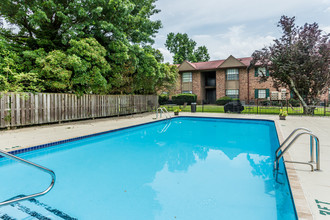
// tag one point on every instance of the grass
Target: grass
(272, 110)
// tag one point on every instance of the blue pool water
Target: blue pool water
(192, 168)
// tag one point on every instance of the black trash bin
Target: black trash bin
(193, 107)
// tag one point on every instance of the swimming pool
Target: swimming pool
(185, 168)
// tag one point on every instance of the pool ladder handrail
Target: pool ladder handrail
(163, 110)
(312, 138)
(44, 169)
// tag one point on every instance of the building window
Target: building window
(186, 77)
(261, 93)
(232, 74)
(190, 92)
(232, 93)
(261, 71)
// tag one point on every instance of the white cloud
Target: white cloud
(183, 15)
(235, 27)
(237, 41)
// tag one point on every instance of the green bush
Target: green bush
(180, 99)
(278, 103)
(264, 103)
(294, 102)
(223, 100)
(163, 99)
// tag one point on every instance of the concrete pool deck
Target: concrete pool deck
(311, 190)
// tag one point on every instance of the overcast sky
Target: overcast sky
(236, 27)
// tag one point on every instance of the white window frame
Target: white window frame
(232, 74)
(187, 92)
(262, 93)
(186, 77)
(233, 93)
(262, 71)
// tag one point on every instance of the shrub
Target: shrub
(294, 102)
(180, 99)
(163, 99)
(223, 100)
(278, 103)
(264, 103)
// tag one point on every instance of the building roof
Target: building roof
(208, 65)
(215, 64)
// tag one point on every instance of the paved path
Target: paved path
(315, 185)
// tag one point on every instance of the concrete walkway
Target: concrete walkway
(315, 185)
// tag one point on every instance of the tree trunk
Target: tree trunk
(307, 109)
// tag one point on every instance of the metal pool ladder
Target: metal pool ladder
(284, 148)
(44, 169)
(163, 110)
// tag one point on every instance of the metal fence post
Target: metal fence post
(257, 106)
(325, 108)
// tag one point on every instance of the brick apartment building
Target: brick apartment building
(230, 77)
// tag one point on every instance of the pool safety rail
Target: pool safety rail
(44, 169)
(161, 110)
(284, 148)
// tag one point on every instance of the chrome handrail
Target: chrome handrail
(286, 140)
(278, 157)
(163, 110)
(44, 169)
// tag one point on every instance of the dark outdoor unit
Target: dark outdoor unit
(235, 106)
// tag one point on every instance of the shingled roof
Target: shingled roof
(215, 64)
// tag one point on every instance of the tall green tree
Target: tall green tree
(202, 54)
(87, 46)
(299, 60)
(183, 49)
(52, 24)
(145, 74)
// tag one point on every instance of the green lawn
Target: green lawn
(273, 110)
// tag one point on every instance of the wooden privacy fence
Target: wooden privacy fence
(19, 109)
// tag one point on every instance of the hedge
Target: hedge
(223, 100)
(163, 99)
(180, 99)
(294, 102)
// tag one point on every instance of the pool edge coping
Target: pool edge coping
(303, 210)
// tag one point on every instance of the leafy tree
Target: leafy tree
(81, 46)
(54, 70)
(167, 81)
(4, 85)
(9, 61)
(144, 74)
(181, 46)
(183, 49)
(52, 24)
(27, 82)
(298, 60)
(202, 54)
(89, 65)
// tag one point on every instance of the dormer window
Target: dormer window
(232, 74)
(186, 77)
